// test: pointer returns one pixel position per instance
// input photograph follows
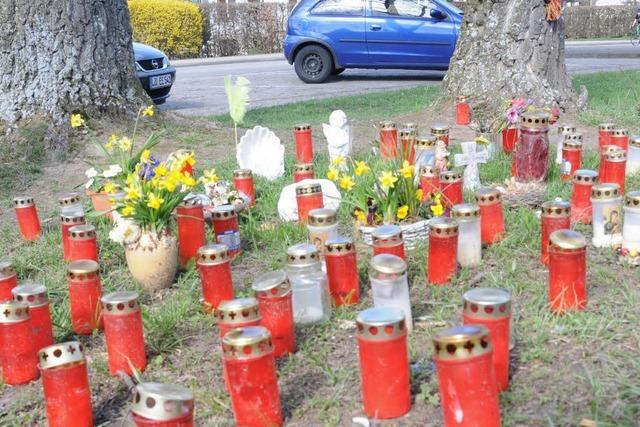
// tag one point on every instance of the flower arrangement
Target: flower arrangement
(518, 106)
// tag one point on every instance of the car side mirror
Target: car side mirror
(437, 14)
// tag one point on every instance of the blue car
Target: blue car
(155, 72)
(324, 37)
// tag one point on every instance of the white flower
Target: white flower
(91, 173)
(125, 231)
(114, 170)
(89, 183)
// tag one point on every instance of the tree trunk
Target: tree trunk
(508, 49)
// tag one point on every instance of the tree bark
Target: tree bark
(508, 49)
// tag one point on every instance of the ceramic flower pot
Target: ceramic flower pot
(100, 202)
(153, 260)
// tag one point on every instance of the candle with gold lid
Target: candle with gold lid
(237, 313)
(311, 302)
(425, 147)
(243, 182)
(620, 137)
(27, 216)
(451, 188)
(191, 230)
(583, 180)
(387, 239)
(226, 228)
(563, 130)
(322, 225)
(631, 228)
(463, 111)
(429, 182)
(342, 271)
(571, 155)
(604, 134)
(614, 168)
(567, 271)
(83, 242)
(491, 215)
(69, 220)
(8, 279)
(162, 405)
(443, 248)
(606, 202)
(440, 131)
(633, 156)
(302, 171)
(469, 239)
(303, 143)
(85, 290)
(556, 215)
(35, 296)
(216, 280)
(388, 140)
(408, 145)
(308, 197)
(17, 352)
(389, 284)
(71, 204)
(532, 149)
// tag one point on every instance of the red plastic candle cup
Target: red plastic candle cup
(226, 228)
(191, 230)
(65, 382)
(604, 135)
(443, 250)
(17, 352)
(620, 138)
(556, 215)
(68, 221)
(583, 180)
(429, 182)
(8, 280)
(463, 111)
(509, 139)
(273, 292)
(388, 140)
(614, 165)
(408, 145)
(123, 333)
(251, 370)
(304, 143)
(214, 266)
(35, 296)
(303, 171)
(567, 271)
(85, 291)
(342, 271)
(571, 155)
(492, 228)
(384, 362)
(27, 216)
(237, 313)
(468, 389)
(451, 188)
(308, 197)
(387, 239)
(441, 132)
(162, 405)
(83, 243)
(531, 156)
(607, 149)
(243, 182)
(491, 308)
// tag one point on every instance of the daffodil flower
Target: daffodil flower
(109, 188)
(419, 194)
(338, 160)
(361, 168)
(387, 180)
(407, 169)
(161, 170)
(347, 183)
(148, 112)
(154, 201)
(132, 193)
(128, 210)
(77, 120)
(403, 211)
(125, 144)
(145, 156)
(360, 216)
(209, 177)
(333, 174)
(437, 209)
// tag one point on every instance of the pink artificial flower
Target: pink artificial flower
(555, 111)
(519, 103)
(512, 115)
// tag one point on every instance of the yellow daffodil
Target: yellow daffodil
(387, 180)
(437, 209)
(347, 182)
(125, 144)
(77, 120)
(338, 160)
(132, 193)
(109, 187)
(209, 177)
(333, 174)
(361, 168)
(481, 140)
(188, 181)
(403, 211)
(407, 169)
(419, 194)
(360, 216)
(169, 183)
(154, 201)
(145, 156)
(161, 170)
(148, 112)
(113, 140)
(128, 211)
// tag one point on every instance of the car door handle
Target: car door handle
(376, 27)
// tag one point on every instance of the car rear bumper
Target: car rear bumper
(159, 94)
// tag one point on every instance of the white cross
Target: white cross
(470, 158)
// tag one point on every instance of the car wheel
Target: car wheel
(337, 71)
(313, 64)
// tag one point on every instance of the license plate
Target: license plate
(156, 82)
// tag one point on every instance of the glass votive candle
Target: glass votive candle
(425, 151)
(509, 138)
(342, 271)
(17, 353)
(322, 225)
(243, 182)
(35, 296)
(216, 280)
(563, 130)
(567, 271)
(237, 313)
(311, 302)
(408, 145)
(68, 221)
(443, 248)
(463, 111)
(303, 143)
(191, 230)
(631, 227)
(441, 132)
(308, 197)
(387, 239)
(451, 188)
(388, 140)
(85, 291)
(614, 168)
(384, 362)
(491, 215)
(83, 242)
(8, 280)
(556, 215)
(429, 182)
(71, 205)
(27, 216)
(583, 180)
(390, 285)
(604, 135)
(226, 228)
(162, 405)
(469, 240)
(532, 149)
(571, 155)
(303, 171)
(606, 203)
(620, 138)
(633, 156)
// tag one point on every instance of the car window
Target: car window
(339, 7)
(409, 8)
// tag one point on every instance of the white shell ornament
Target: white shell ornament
(288, 206)
(261, 151)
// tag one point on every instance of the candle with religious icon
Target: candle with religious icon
(123, 333)
(604, 134)
(322, 225)
(17, 353)
(237, 313)
(620, 138)
(491, 215)
(35, 296)
(491, 308)
(614, 168)
(451, 188)
(83, 242)
(408, 145)
(441, 132)
(563, 131)
(468, 388)
(85, 291)
(216, 280)
(443, 249)
(311, 302)
(583, 180)
(302, 171)
(429, 182)
(631, 227)
(571, 155)
(387, 239)
(303, 143)
(65, 383)
(68, 221)
(567, 271)
(633, 156)
(384, 362)
(425, 147)
(342, 271)
(226, 228)
(162, 405)
(469, 251)
(532, 149)
(251, 371)
(243, 182)
(27, 216)
(191, 230)
(606, 203)
(308, 197)
(388, 140)
(556, 215)
(8, 280)
(273, 292)
(509, 138)
(390, 285)
(463, 111)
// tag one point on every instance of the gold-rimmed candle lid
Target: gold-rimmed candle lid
(339, 246)
(572, 141)
(450, 176)
(387, 235)
(83, 269)
(32, 294)
(303, 167)
(388, 125)
(381, 324)
(465, 211)
(605, 191)
(302, 255)
(632, 199)
(488, 196)
(161, 402)
(607, 127)
(410, 125)
(427, 142)
(191, 202)
(23, 202)
(487, 303)
(117, 303)
(567, 240)
(611, 149)
(238, 310)
(322, 217)
(462, 342)
(443, 227)
(461, 99)
(224, 212)
(302, 127)
(12, 311)
(429, 171)
(247, 343)
(439, 129)
(616, 155)
(82, 232)
(76, 218)
(387, 265)
(634, 141)
(407, 132)
(308, 189)
(534, 120)
(619, 133)
(242, 173)
(567, 129)
(274, 284)
(7, 270)
(69, 199)
(57, 355)
(213, 254)
(585, 176)
(556, 209)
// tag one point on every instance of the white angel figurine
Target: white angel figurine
(442, 156)
(338, 134)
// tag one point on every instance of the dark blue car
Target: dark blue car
(324, 37)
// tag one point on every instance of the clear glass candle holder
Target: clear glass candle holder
(633, 156)
(425, 151)
(310, 291)
(390, 285)
(631, 227)
(606, 205)
(469, 242)
(322, 225)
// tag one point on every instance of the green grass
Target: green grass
(21, 159)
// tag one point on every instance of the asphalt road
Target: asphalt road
(199, 91)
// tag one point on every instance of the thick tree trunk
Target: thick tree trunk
(508, 49)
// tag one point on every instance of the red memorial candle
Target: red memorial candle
(387, 239)
(408, 145)
(620, 138)
(68, 221)
(463, 111)
(468, 388)
(429, 182)
(441, 132)
(308, 197)
(214, 266)
(556, 215)
(191, 230)
(384, 362)
(607, 149)
(162, 405)
(237, 313)
(509, 139)
(451, 188)
(443, 250)
(604, 135)
(17, 352)
(342, 271)
(251, 370)
(388, 140)
(85, 290)
(614, 168)
(35, 296)
(65, 382)
(491, 308)
(243, 182)
(83, 243)
(567, 271)
(303, 171)
(27, 216)
(491, 215)
(583, 180)
(273, 292)
(226, 228)
(571, 155)
(123, 333)
(8, 280)
(303, 143)
(531, 156)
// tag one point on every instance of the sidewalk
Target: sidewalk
(195, 62)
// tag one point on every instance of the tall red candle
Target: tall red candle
(441, 132)
(492, 227)
(387, 239)
(162, 405)
(237, 313)
(243, 182)
(27, 216)
(85, 290)
(509, 139)
(308, 197)
(273, 292)
(83, 243)
(491, 308)
(571, 155)
(251, 369)
(531, 156)
(68, 221)
(342, 271)
(65, 382)
(214, 266)
(604, 135)
(123, 333)
(614, 166)
(17, 352)
(388, 140)
(8, 280)
(226, 228)
(463, 111)
(303, 143)
(468, 388)
(191, 230)
(303, 171)
(429, 182)
(384, 362)
(567, 271)
(556, 215)
(408, 145)
(35, 296)
(451, 188)
(620, 138)
(443, 250)
(583, 180)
